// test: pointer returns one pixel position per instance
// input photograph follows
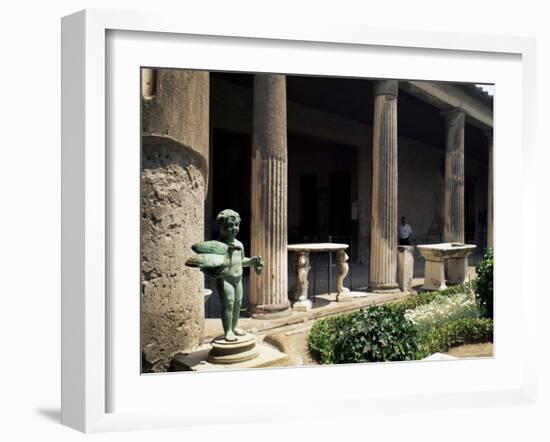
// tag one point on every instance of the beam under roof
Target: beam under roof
(444, 96)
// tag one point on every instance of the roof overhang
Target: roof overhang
(477, 105)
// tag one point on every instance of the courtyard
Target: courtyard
(361, 203)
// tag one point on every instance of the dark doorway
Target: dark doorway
(470, 210)
(339, 203)
(231, 178)
(309, 227)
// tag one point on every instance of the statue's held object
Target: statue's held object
(224, 260)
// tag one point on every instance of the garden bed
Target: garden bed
(414, 328)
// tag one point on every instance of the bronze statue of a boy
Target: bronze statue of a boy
(224, 260)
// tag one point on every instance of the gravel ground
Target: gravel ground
(472, 351)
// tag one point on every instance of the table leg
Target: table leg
(343, 294)
(302, 270)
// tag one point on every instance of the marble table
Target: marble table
(301, 260)
(435, 255)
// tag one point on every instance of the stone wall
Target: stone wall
(173, 182)
(420, 193)
(421, 169)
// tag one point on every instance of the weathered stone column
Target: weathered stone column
(383, 252)
(173, 179)
(490, 193)
(269, 291)
(453, 198)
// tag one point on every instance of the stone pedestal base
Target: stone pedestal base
(434, 278)
(233, 352)
(405, 267)
(344, 296)
(268, 356)
(457, 270)
(302, 306)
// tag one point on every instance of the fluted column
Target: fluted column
(383, 260)
(453, 201)
(490, 193)
(269, 291)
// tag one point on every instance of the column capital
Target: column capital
(454, 117)
(385, 87)
(269, 123)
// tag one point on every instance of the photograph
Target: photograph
(298, 220)
(275, 221)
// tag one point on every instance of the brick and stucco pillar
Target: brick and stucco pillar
(269, 291)
(174, 173)
(383, 251)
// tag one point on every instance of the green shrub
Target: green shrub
(323, 334)
(375, 334)
(454, 333)
(382, 333)
(484, 282)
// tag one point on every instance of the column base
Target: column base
(384, 288)
(271, 313)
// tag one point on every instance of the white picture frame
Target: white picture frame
(89, 321)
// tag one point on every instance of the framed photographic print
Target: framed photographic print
(290, 215)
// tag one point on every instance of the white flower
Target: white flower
(442, 309)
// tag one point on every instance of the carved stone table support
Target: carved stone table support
(302, 270)
(301, 260)
(343, 294)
